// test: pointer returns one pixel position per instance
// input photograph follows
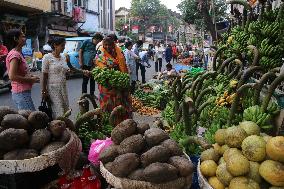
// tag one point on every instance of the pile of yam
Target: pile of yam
(144, 153)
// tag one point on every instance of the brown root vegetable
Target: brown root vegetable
(39, 139)
(173, 147)
(184, 166)
(142, 127)
(15, 121)
(160, 172)
(4, 110)
(10, 139)
(123, 130)
(138, 174)
(155, 136)
(57, 128)
(155, 154)
(69, 124)
(65, 137)
(124, 164)
(52, 147)
(25, 113)
(38, 120)
(132, 144)
(109, 154)
(21, 154)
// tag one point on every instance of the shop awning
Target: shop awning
(62, 33)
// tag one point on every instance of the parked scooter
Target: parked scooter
(4, 78)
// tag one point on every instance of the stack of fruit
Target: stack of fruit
(244, 158)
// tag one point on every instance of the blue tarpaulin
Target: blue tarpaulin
(179, 67)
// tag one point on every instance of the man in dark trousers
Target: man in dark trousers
(136, 49)
(87, 53)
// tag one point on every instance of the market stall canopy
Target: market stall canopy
(62, 33)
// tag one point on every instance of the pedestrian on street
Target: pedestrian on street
(136, 49)
(159, 50)
(144, 63)
(111, 57)
(54, 69)
(17, 67)
(168, 54)
(130, 58)
(87, 54)
(175, 53)
(3, 53)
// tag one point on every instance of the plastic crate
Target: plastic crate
(33, 180)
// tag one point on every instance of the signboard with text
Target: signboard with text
(135, 29)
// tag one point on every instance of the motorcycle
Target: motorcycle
(4, 78)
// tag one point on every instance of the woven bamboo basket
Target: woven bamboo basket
(124, 183)
(66, 157)
(203, 183)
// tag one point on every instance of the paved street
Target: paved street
(74, 91)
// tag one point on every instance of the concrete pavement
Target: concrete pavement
(74, 92)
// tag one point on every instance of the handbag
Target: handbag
(46, 108)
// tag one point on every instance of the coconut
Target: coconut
(220, 136)
(243, 183)
(275, 148)
(250, 127)
(254, 172)
(223, 174)
(253, 147)
(272, 172)
(235, 136)
(224, 148)
(209, 154)
(221, 160)
(216, 183)
(57, 128)
(15, 121)
(230, 152)
(25, 113)
(238, 165)
(218, 148)
(208, 168)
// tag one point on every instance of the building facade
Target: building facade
(91, 24)
(106, 16)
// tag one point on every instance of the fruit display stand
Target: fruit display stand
(66, 157)
(123, 183)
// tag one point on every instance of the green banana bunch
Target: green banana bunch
(273, 108)
(269, 63)
(111, 78)
(255, 114)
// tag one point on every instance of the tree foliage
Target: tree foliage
(199, 12)
(146, 13)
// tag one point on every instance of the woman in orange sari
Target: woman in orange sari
(111, 57)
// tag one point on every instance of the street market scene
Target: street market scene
(141, 94)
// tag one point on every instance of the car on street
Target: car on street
(72, 48)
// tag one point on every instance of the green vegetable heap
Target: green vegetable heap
(111, 78)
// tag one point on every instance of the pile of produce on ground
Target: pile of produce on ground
(242, 157)
(143, 110)
(25, 134)
(145, 154)
(111, 78)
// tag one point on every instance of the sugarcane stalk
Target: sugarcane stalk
(92, 98)
(186, 118)
(271, 89)
(255, 55)
(176, 101)
(202, 94)
(86, 117)
(237, 100)
(196, 140)
(220, 50)
(202, 78)
(247, 73)
(225, 63)
(186, 88)
(234, 72)
(260, 85)
(193, 86)
(185, 82)
(117, 112)
(197, 75)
